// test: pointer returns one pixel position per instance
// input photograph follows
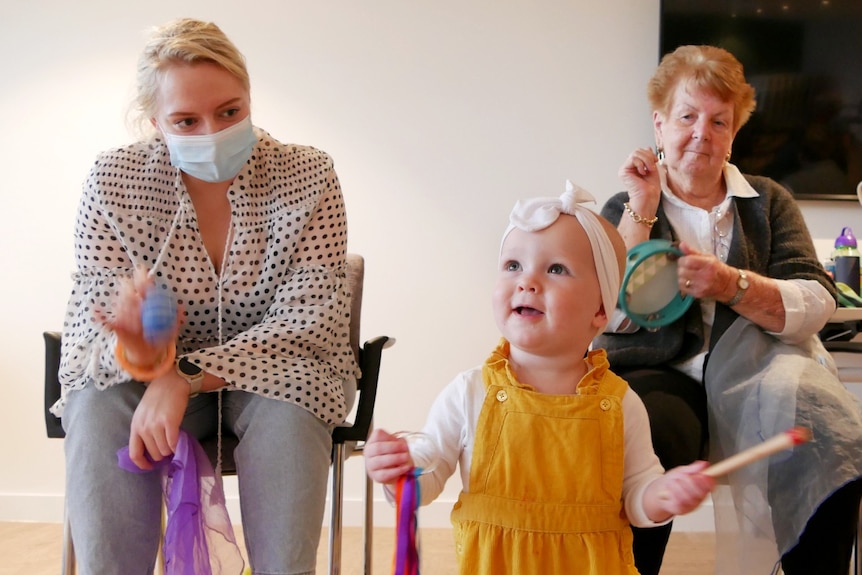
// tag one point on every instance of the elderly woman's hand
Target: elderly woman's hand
(704, 276)
(639, 175)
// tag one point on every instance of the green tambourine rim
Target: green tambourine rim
(675, 308)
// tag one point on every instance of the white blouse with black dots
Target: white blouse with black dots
(275, 322)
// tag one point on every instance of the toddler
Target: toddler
(554, 451)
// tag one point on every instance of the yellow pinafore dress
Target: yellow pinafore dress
(546, 479)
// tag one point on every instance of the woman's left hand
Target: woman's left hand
(156, 422)
(704, 276)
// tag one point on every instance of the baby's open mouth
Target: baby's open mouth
(523, 310)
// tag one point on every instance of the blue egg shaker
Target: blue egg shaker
(158, 315)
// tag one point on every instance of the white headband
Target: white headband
(538, 213)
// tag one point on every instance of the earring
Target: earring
(659, 152)
(727, 157)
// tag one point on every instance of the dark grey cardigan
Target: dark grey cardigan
(769, 238)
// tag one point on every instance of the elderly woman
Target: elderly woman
(745, 357)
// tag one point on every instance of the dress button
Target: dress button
(605, 404)
(502, 395)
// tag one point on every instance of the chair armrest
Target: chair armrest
(370, 355)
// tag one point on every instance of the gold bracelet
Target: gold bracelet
(639, 219)
(149, 373)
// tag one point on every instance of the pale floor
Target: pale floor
(35, 549)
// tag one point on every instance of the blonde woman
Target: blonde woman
(249, 235)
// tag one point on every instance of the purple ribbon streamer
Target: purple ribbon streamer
(407, 547)
(186, 551)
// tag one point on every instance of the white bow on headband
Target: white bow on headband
(536, 214)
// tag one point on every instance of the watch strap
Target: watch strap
(740, 290)
(195, 386)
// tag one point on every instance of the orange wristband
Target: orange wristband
(147, 373)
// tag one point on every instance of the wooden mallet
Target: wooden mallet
(786, 440)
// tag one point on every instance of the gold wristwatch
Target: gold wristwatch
(741, 287)
(193, 375)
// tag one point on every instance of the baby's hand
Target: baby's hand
(681, 490)
(386, 457)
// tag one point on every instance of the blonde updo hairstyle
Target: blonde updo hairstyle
(184, 40)
(707, 68)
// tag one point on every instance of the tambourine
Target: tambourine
(650, 294)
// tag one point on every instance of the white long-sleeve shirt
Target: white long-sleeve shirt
(452, 425)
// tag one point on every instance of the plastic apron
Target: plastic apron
(758, 387)
(546, 478)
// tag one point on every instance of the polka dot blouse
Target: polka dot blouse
(275, 322)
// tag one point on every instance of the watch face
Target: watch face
(742, 283)
(188, 368)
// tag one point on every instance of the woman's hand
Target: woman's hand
(639, 176)
(156, 421)
(704, 276)
(125, 321)
(386, 457)
(680, 490)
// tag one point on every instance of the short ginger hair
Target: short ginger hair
(708, 68)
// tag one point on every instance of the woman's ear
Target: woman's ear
(657, 121)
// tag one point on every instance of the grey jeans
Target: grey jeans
(282, 462)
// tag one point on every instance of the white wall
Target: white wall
(439, 116)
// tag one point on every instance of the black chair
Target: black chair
(347, 439)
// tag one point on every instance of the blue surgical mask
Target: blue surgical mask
(213, 157)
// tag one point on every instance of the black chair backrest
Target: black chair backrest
(52, 383)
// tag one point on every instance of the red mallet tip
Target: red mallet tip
(799, 435)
